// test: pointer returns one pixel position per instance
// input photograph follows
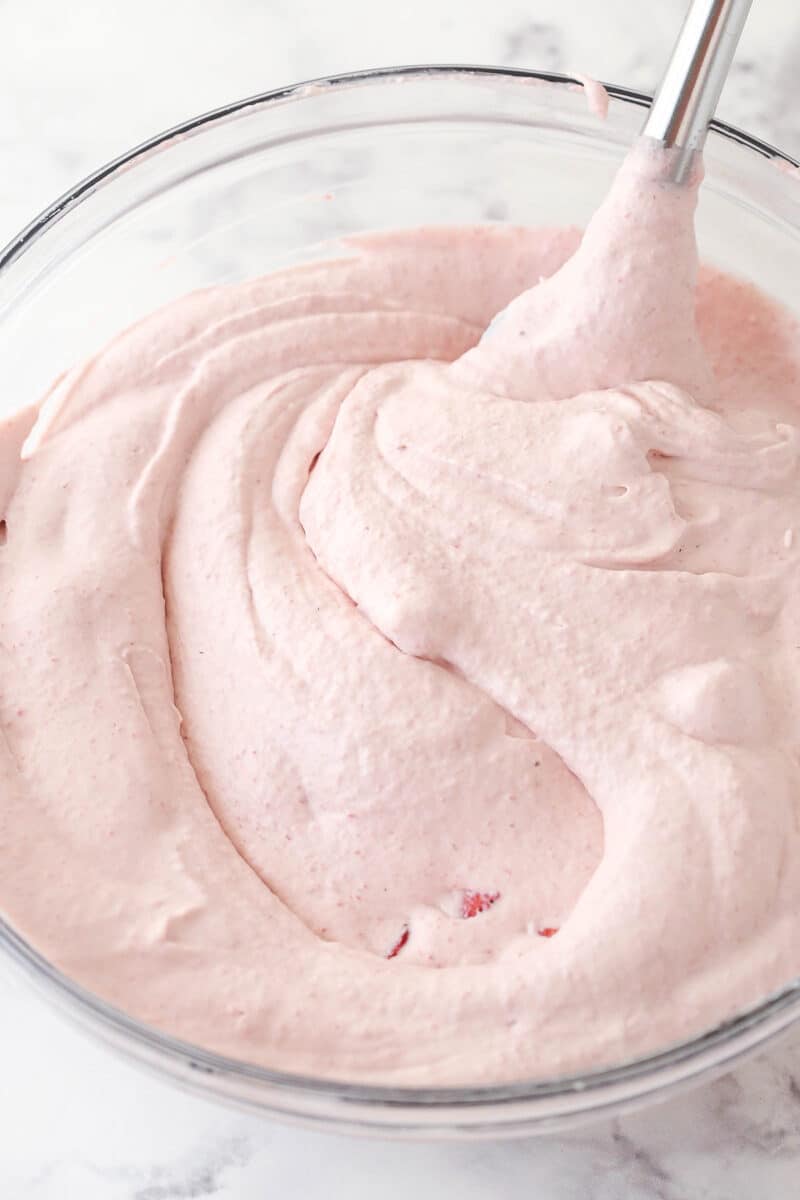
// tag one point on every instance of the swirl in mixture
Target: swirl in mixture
(385, 696)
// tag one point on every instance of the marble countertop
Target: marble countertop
(79, 84)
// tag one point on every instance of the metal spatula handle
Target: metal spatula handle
(690, 88)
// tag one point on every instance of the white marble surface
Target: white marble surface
(80, 83)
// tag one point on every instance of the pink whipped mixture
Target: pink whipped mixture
(389, 697)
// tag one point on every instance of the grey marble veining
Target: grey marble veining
(80, 83)
(88, 1127)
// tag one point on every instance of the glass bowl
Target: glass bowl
(277, 179)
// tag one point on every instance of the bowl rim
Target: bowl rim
(69, 199)
(679, 1060)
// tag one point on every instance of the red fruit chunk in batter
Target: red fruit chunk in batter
(398, 946)
(473, 903)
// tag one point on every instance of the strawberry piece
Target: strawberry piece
(548, 931)
(401, 941)
(473, 903)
